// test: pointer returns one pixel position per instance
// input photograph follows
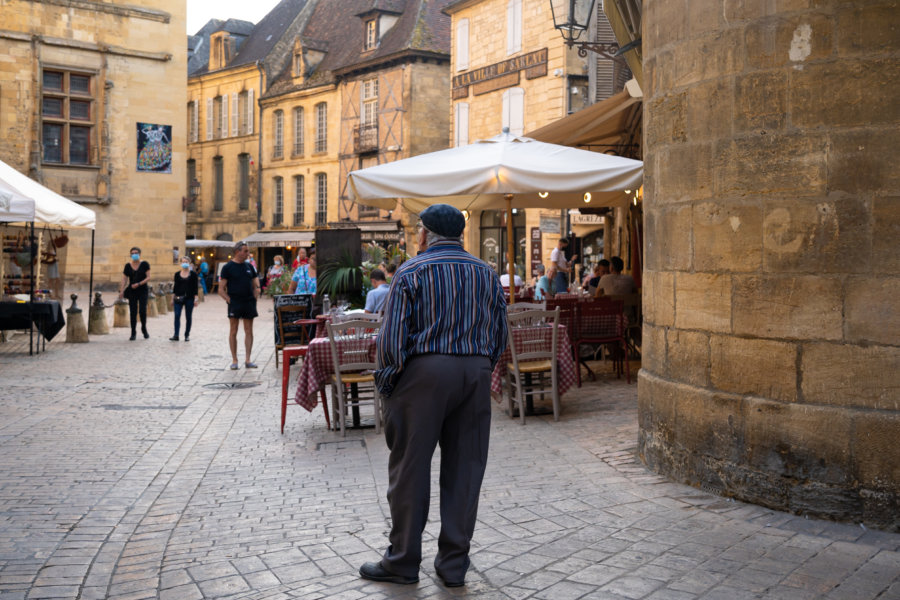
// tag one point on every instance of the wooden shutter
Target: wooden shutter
(513, 26)
(223, 116)
(461, 124)
(195, 121)
(462, 45)
(234, 115)
(250, 111)
(209, 118)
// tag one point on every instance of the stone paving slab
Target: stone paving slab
(122, 475)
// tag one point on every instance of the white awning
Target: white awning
(280, 239)
(208, 244)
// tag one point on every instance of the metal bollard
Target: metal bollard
(76, 332)
(97, 323)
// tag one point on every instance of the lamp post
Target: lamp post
(193, 194)
(572, 18)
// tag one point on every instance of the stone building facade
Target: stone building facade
(511, 68)
(231, 66)
(83, 85)
(771, 359)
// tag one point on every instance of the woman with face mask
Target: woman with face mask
(134, 287)
(185, 297)
(276, 270)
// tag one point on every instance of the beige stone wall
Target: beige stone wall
(545, 96)
(137, 57)
(205, 222)
(772, 338)
(308, 164)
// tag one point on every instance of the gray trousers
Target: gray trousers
(444, 400)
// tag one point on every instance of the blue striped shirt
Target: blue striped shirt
(443, 301)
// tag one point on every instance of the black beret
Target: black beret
(444, 220)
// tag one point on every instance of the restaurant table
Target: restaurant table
(565, 365)
(316, 371)
(46, 315)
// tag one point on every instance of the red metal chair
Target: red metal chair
(286, 354)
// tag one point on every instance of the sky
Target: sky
(201, 11)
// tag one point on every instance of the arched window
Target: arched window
(278, 201)
(299, 208)
(278, 134)
(298, 131)
(322, 127)
(321, 199)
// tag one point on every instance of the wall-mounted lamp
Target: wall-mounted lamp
(543, 194)
(572, 18)
(587, 197)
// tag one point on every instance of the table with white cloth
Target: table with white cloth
(565, 365)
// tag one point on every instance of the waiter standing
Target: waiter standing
(444, 329)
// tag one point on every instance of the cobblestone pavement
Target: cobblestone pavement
(123, 475)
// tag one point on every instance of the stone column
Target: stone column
(771, 359)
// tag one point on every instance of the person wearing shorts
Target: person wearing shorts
(239, 287)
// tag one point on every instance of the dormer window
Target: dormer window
(371, 34)
(298, 64)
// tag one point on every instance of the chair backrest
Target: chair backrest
(287, 332)
(373, 317)
(532, 335)
(352, 349)
(520, 306)
(601, 318)
(632, 307)
(568, 313)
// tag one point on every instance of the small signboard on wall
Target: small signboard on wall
(536, 248)
(550, 225)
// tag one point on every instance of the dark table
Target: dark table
(46, 315)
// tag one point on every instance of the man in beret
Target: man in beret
(444, 329)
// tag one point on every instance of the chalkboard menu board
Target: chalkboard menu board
(292, 330)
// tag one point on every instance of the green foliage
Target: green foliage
(281, 284)
(339, 277)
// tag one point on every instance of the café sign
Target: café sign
(500, 75)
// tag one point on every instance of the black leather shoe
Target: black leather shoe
(146, 335)
(373, 571)
(451, 583)
(174, 338)
(133, 337)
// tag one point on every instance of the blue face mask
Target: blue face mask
(135, 257)
(185, 265)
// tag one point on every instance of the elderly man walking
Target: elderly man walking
(443, 331)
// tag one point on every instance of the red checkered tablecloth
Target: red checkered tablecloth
(316, 371)
(565, 368)
(317, 368)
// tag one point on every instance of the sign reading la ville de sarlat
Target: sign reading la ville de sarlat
(500, 75)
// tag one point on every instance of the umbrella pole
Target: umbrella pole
(511, 250)
(91, 280)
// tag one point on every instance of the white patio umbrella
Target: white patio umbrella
(498, 172)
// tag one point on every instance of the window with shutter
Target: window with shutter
(209, 118)
(223, 115)
(514, 110)
(250, 111)
(234, 115)
(299, 208)
(462, 45)
(513, 26)
(461, 124)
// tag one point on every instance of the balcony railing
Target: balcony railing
(365, 138)
(277, 219)
(321, 219)
(298, 218)
(278, 152)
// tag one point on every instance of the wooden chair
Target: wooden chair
(286, 354)
(520, 306)
(631, 306)
(293, 336)
(532, 348)
(602, 321)
(351, 347)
